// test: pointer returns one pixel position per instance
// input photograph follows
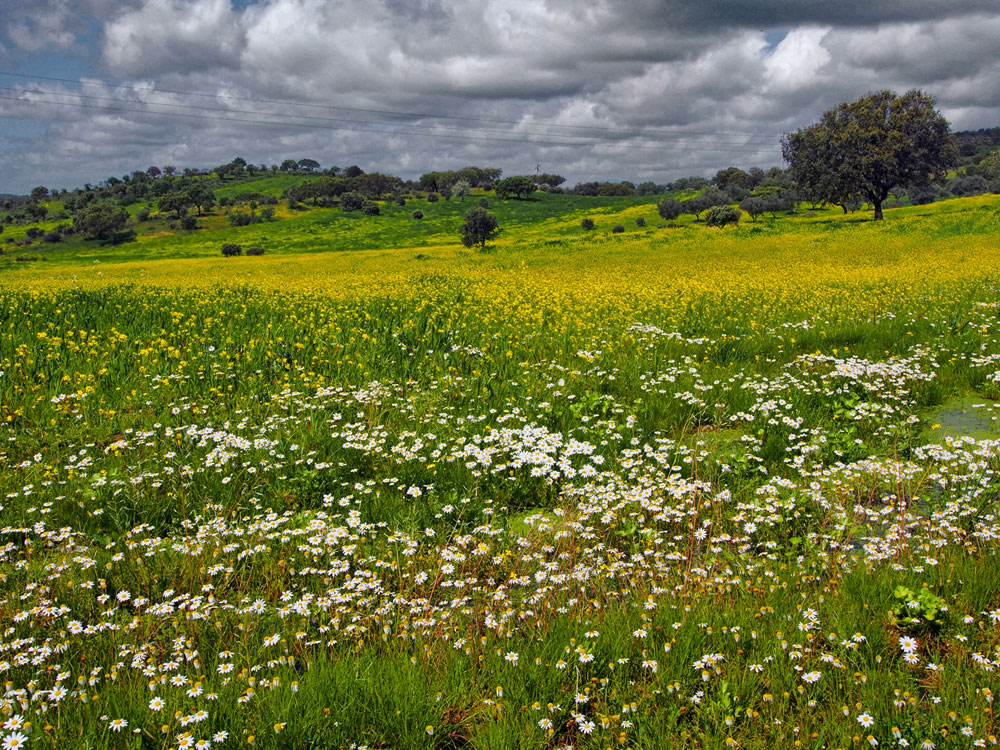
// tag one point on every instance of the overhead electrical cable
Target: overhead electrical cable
(749, 148)
(394, 113)
(74, 94)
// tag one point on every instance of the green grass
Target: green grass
(588, 490)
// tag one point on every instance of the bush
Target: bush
(964, 186)
(920, 195)
(241, 218)
(669, 208)
(617, 229)
(641, 221)
(370, 208)
(719, 216)
(352, 202)
(34, 232)
(400, 201)
(484, 202)
(267, 214)
(52, 237)
(418, 214)
(433, 198)
(587, 224)
(230, 250)
(255, 251)
(189, 222)
(142, 214)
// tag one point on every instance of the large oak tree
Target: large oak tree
(868, 147)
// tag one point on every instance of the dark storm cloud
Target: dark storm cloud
(671, 87)
(712, 15)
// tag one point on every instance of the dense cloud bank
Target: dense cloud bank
(670, 88)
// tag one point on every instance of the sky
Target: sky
(589, 89)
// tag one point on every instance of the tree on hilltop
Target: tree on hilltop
(515, 187)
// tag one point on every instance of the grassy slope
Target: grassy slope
(545, 218)
(312, 229)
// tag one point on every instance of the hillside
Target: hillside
(310, 227)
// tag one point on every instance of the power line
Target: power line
(394, 113)
(378, 131)
(74, 94)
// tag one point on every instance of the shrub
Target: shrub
(641, 221)
(241, 218)
(920, 195)
(400, 201)
(484, 202)
(370, 208)
(433, 198)
(223, 202)
(669, 208)
(255, 251)
(964, 186)
(34, 232)
(352, 202)
(142, 214)
(267, 214)
(189, 222)
(719, 216)
(52, 237)
(587, 224)
(229, 250)
(418, 214)
(617, 229)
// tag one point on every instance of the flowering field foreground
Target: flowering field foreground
(699, 502)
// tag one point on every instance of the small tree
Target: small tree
(102, 222)
(587, 224)
(719, 216)
(640, 221)
(669, 208)
(705, 201)
(754, 206)
(461, 190)
(418, 214)
(617, 229)
(480, 227)
(231, 250)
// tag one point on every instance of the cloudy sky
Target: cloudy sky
(590, 89)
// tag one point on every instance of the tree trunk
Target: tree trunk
(878, 209)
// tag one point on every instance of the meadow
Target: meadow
(675, 487)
